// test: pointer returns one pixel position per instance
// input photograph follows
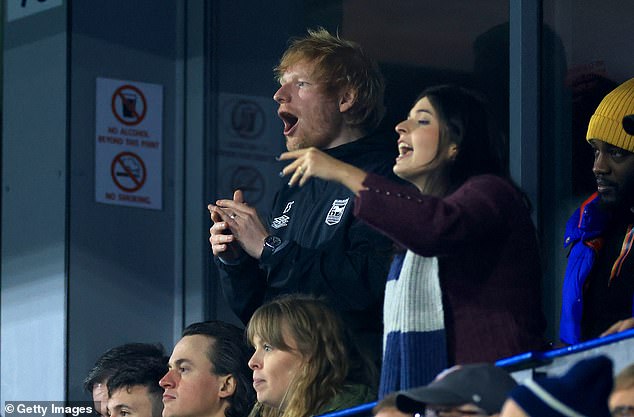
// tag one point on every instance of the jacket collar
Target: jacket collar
(587, 223)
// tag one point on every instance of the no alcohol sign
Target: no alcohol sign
(129, 105)
(128, 143)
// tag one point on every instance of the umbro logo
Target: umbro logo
(281, 221)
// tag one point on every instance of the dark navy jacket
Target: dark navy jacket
(326, 251)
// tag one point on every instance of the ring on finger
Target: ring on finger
(301, 169)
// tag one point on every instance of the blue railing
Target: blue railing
(357, 411)
(519, 362)
(530, 359)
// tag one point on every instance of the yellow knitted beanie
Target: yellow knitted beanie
(607, 122)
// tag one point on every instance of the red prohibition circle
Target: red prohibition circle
(138, 118)
(119, 160)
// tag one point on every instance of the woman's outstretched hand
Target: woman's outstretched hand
(312, 162)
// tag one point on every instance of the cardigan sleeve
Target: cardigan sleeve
(476, 212)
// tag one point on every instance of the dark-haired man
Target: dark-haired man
(110, 362)
(598, 292)
(134, 390)
(208, 374)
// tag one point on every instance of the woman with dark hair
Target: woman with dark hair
(467, 287)
(305, 362)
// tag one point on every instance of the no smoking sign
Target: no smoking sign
(128, 172)
(128, 143)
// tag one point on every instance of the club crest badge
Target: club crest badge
(336, 211)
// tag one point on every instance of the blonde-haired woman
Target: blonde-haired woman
(301, 365)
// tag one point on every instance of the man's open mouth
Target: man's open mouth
(290, 121)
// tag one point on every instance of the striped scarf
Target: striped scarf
(414, 342)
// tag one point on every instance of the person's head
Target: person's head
(448, 136)
(475, 389)
(582, 391)
(301, 355)
(110, 362)
(614, 147)
(208, 373)
(621, 400)
(134, 390)
(387, 408)
(329, 89)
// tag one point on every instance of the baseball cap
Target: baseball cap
(482, 384)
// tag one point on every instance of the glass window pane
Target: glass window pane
(586, 53)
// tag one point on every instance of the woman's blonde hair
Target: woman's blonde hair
(322, 343)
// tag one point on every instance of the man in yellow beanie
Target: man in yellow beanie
(598, 291)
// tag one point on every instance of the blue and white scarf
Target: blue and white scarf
(414, 340)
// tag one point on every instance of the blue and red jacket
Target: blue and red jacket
(583, 236)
